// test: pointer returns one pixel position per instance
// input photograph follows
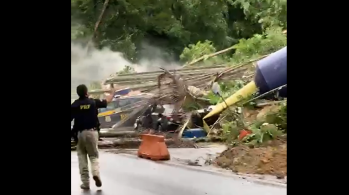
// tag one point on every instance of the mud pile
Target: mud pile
(270, 159)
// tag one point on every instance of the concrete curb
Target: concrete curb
(199, 169)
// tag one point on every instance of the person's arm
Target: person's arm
(104, 102)
(110, 97)
(101, 103)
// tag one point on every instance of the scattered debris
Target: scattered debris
(193, 163)
(201, 161)
(134, 142)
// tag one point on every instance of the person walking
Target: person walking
(84, 112)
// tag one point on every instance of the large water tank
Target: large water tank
(271, 72)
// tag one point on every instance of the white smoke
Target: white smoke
(97, 65)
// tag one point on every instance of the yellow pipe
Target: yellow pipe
(106, 113)
(244, 92)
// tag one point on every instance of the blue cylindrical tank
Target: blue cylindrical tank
(271, 72)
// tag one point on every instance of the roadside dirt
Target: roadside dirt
(269, 159)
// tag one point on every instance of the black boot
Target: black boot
(97, 181)
(85, 186)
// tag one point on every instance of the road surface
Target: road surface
(130, 176)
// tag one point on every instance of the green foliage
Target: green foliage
(273, 126)
(76, 31)
(228, 88)
(260, 44)
(191, 106)
(201, 49)
(176, 24)
(267, 12)
(262, 134)
(194, 51)
(179, 22)
(230, 131)
(278, 118)
(127, 70)
(247, 49)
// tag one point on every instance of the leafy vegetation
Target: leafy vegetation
(259, 131)
(268, 42)
(228, 88)
(195, 51)
(127, 70)
(233, 123)
(175, 25)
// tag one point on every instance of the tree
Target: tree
(174, 24)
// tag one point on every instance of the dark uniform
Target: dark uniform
(147, 118)
(84, 112)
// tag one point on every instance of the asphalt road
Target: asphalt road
(129, 176)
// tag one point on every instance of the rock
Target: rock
(280, 176)
(259, 171)
(264, 160)
(196, 91)
(193, 163)
(236, 161)
(261, 177)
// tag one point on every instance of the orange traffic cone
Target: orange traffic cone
(153, 147)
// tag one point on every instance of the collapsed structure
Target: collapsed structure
(179, 87)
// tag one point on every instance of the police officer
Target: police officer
(84, 112)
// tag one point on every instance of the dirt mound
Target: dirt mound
(270, 159)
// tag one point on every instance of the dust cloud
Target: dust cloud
(97, 65)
